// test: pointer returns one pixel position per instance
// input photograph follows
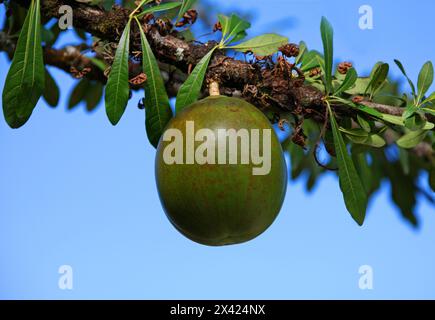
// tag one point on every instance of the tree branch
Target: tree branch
(70, 58)
(264, 88)
(267, 88)
(394, 111)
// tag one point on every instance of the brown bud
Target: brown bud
(189, 17)
(164, 25)
(290, 50)
(315, 72)
(357, 99)
(147, 17)
(299, 138)
(139, 79)
(344, 67)
(217, 27)
(80, 72)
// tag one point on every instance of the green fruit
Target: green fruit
(220, 204)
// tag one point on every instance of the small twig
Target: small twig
(317, 145)
(391, 110)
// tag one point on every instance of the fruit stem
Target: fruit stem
(213, 89)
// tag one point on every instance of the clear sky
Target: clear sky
(76, 191)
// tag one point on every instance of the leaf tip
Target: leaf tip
(360, 220)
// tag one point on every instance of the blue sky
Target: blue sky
(76, 191)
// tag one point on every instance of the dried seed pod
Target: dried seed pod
(217, 27)
(139, 79)
(189, 17)
(164, 26)
(299, 137)
(315, 72)
(147, 17)
(357, 99)
(290, 50)
(79, 73)
(344, 67)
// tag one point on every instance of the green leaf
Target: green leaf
(357, 132)
(264, 45)
(236, 29)
(321, 63)
(375, 141)
(25, 80)
(107, 4)
(87, 91)
(141, 3)
(364, 124)
(328, 141)
(310, 60)
(356, 139)
(429, 99)
(297, 157)
(409, 111)
(47, 37)
(361, 165)
(117, 88)
(191, 88)
(416, 122)
(348, 82)
(403, 189)
(51, 92)
(302, 49)
(378, 78)
(363, 108)
(411, 84)
(397, 120)
(327, 39)
(225, 24)
(159, 8)
(359, 88)
(390, 99)
(93, 95)
(404, 160)
(375, 68)
(100, 64)
(239, 37)
(354, 194)
(186, 5)
(427, 110)
(78, 93)
(370, 111)
(425, 79)
(157, 108)
(359, 136)
(54, 33)
(411, 139)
